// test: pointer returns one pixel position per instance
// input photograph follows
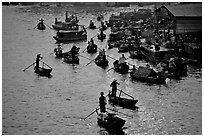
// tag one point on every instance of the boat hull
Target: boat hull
(100, 62)
(110, 122)
(43, 71)
(123, 69)
(123, 102)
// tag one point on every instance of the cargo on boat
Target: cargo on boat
(120, 68)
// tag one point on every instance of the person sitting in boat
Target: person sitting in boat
(73, 52)
(122, 60)
(114, 87)
(58, 49)
(91, 23)
(102, 103)
(38, 61)
(133, 68)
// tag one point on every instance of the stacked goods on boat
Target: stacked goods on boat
(64, 26)
(71, 35)
(114, 38)
(147, 74)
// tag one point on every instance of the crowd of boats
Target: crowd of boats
(138, 37)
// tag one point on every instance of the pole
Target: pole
(109, 69)
(46, 64)
(90, 114)
(29, 66)
(120, 113)
(90, 62)
(84, 57)
(126, 93)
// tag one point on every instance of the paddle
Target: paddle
(90, 114)
(126, 93)
(90, 62)
(46, 64)
(52, 53)
(110, 69)
(84, 50)
(35, 27)
(29, 66)
(84, 57)
(48, 26)
(120, 112)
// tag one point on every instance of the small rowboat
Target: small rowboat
(92, 48)
(120, 68)
(92, 26)
(123, 48)
(41, 26)
(100, 62)
(123, 102)
(101, 37)
(110, 121)
(43, 71)
(68, 57)
(135, 54)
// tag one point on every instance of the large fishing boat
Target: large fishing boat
(71, 35)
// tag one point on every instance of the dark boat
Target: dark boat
(135, 54)
(110, 121)
(101, 37)
(92, 26)
(43, 71)
(123, 48)
(41, 26)
(71, 35)
(59, 54)
(68, 57)
(92, 48)
(123, 102)
(120, 68)
(100, 62)
(102, 28)
(145, 74)
(100, 18)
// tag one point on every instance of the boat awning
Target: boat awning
(188, 27)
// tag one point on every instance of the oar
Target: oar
(109, 69)
(52, 53)
(90, 62)
(111, 57)
(48, 26)
(90, 114)
(84, 50)
(29, 66)
(35, 27)
(46, 64)
(126, 93)
(84, 57)
(120, 112)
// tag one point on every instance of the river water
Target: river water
(56, 106)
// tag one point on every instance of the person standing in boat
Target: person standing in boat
(38, 61)
(92, 41)
(103, 53)
(73, 52)
(102, 103)
(58, 49)
(40, 24)
(114, 87)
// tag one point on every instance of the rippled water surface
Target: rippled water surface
(56, 105)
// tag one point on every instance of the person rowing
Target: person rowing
(38, 61)
(114, 87)
(102, 103)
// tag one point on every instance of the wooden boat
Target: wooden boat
(101, 37)
(43, 71)
(135, 54)
(68, 57)
(92, 26)
(41, 26)
(123, 102)
(102, 28)
(110, 121)
(71, 35)
(92, 48)
(115, 44)
(100, 18)
(100, 62)
(64, 26)
(120, 68)
(145, 74)
(123, 48)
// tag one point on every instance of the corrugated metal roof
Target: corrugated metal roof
(181, 10)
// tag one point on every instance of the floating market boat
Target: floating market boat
(41, 26)
(101, 37)
(68, 57)
(71, 35)
(123, 48)
(135, 54)
(64, 26)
